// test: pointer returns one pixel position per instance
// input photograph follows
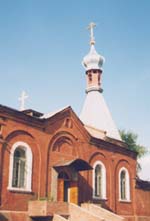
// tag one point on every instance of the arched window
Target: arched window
(124, 185)
(99, 180)
(20, 170)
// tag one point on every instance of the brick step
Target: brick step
(99, 211)
(78, 213)
(57, 217)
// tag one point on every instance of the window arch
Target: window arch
(20, 168)
(124, 185)
(99, 180)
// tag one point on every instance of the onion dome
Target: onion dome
(93, 60)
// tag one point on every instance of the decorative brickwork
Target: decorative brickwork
(57, 148)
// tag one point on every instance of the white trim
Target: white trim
(28, 151)
(103, 180)
(127, 187)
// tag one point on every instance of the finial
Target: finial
(91, 26)
(22, 99)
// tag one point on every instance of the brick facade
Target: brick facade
(55, 143)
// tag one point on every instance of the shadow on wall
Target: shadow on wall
(86, 194)
(3, 218)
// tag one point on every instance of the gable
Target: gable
(66, 120)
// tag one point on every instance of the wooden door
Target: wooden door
(73, 193)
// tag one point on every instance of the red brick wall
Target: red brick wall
(57, 141)
(126, 208)
(13, 200)
(142, 204)
(113, 162)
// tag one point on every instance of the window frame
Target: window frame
(28, 176)
(103, 180)
(127, 185)
(19, 168)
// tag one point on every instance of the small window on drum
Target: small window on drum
(90, 77)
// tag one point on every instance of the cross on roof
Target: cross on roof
(91, 26)
(22, 99)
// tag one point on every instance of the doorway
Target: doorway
(63, 187)
(66, 190)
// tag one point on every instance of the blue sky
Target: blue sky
(43, 42)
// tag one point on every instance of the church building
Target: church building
(59, 166)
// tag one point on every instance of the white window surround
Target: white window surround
(103, 180)
(28, 151)
(127, 186)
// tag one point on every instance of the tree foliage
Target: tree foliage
(130, 139)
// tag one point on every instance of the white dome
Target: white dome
(93, 60)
